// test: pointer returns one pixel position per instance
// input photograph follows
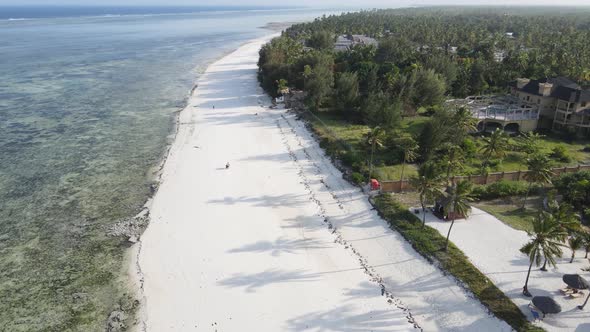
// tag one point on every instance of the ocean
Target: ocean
(88, 98)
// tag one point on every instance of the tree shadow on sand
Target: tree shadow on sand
(346, 319)
(280, 246)
(306, 223)
(251, 282)
(290, 200)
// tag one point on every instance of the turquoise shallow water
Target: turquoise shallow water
(86, 109)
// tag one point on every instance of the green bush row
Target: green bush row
(505, 188)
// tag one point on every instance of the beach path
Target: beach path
(279, 241)
(498, 256)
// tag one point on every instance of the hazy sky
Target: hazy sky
(314, 3)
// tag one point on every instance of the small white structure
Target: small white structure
(499, 56)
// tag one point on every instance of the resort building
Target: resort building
(501, 112)
(552, 103)
(562, 103)
(342, 43)
(364, 40)
(345, 42)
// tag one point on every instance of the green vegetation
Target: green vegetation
(575, 188)
(388, 160)
(427, 184)
(539, 172)
(509, 210)
(502, 189)
(546, 242)
(429, 242)
(423, 57)
(457, 205)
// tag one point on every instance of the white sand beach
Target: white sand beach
(279, 241)
(493, 247)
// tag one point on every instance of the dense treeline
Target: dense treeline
(424, 54)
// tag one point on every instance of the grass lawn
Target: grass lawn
(515, 161)
(342, 129)
(509, 211)
(333, 125)
(413, 125)
(394, 172)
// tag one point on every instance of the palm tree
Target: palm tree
(529, 143)
(575, 243)
(374, 139)
(426, 183)
(464, 120)
(545, 242)
(567, 219)
(495, 145)
(457, 204)
(539, 171)
(453, 159)
(409, 147)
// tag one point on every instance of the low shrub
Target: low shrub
(350, 158)
(504, 189)
(560, 153)
(575, 188)
(469, 147)
(357, 178)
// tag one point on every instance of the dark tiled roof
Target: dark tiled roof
(563, 88)
(563, 81)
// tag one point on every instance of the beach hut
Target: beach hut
(546, 305)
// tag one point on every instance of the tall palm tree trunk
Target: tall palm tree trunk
(486, 160)
(402, 175)
(525, 289)
(449, 233)
(573, 256)
(371, 163)
(448, 174)
(527, 194)
(423, 210)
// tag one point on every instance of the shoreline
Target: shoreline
(134, 272)
(202, 264)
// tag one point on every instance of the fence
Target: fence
(400, 186)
